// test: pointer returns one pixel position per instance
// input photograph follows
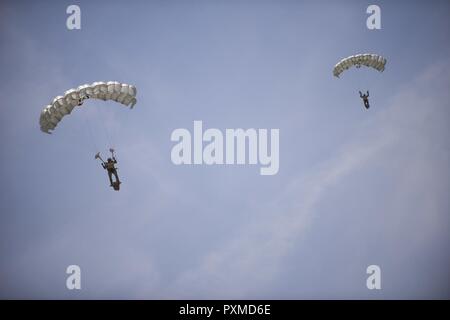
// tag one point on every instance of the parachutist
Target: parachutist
(365, 98)
(109, 166)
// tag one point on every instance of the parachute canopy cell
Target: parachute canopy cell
(61, 106)
(367, 59)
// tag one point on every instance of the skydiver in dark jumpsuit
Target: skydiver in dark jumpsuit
(109, 166)
(365, 98)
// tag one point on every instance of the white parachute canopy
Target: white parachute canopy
(61, 106)
(367, 59)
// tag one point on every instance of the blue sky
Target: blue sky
(354, 188)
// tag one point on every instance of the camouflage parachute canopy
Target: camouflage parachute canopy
(369, 60)
(61, 106)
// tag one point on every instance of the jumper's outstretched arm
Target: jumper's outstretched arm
(97, 156)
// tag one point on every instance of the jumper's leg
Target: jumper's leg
(110, 178)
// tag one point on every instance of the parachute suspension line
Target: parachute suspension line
(107, 130)
(112, 137)
(124, 116)
(91, 136)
